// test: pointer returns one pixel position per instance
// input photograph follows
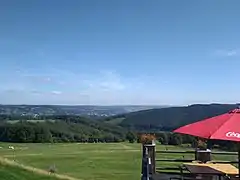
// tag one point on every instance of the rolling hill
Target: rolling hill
(81, 110)
(169, 118)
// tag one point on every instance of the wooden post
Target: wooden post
(144, 152)
(195, 153)
(145, 164)
(151, 148)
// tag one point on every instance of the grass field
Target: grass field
(89, 161)
(15, 173)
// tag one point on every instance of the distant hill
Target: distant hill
(169, 118)
(82, 110)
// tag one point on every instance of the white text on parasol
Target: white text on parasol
(233, 134)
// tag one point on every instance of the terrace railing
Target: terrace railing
(154, 161)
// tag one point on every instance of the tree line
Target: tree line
(67, 128)
(59, 129)
(170, 138)
(175, 139)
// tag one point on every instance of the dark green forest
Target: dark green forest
(62, 129)
(126, 127)
(167, 119)
(75, 130)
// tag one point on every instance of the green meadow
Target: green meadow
(15, 173)
(114, 161)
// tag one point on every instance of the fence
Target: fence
(151, 164)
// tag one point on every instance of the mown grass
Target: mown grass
(84, 161)
(16, 173)
(91, 161)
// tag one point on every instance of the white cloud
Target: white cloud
(68, 87)
(227, 53)
(37, 78)
(35, 92)
(106, 81)
(56, 92)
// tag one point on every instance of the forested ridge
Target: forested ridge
(59, 129)
(167, 119)
(126, 127)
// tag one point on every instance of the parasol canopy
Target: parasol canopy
(221, 127)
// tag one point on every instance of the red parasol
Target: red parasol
(222, 127)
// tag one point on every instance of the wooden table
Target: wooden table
(219, 170)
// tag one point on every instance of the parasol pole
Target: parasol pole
(238, 161)
(238, 146)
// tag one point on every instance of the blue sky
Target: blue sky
(119, 52)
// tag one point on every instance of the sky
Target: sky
(119, 52)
